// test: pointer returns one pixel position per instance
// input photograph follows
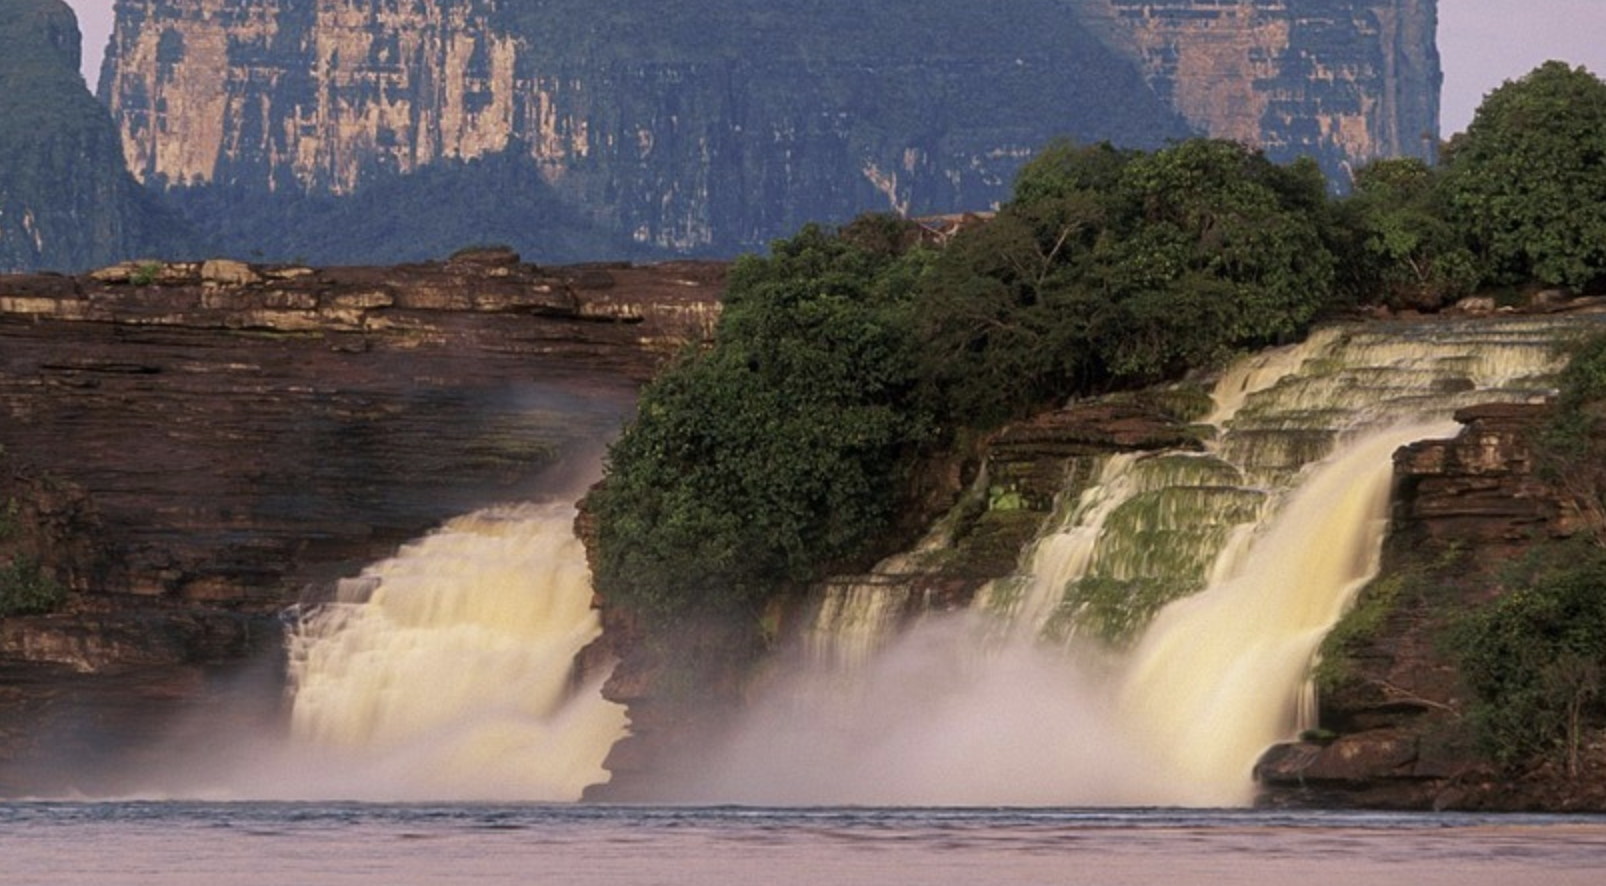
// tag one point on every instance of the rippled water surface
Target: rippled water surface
(175, 844)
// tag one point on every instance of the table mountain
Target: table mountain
(337, 130)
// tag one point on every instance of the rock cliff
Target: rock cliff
(66, 199)
(613, 129)
(236, 424)
(190, 447)
(1342, 81)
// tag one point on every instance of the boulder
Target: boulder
(226, 272)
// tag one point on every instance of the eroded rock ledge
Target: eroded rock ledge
(617, 318)
(233, 425)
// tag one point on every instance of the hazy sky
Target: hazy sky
(1483, 43)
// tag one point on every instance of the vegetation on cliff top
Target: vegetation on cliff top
(783, 450)
(779, 450)
(1528, 179)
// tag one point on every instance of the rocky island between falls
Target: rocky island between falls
(189, 448)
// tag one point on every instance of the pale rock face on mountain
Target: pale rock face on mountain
(626, 129)
(1342, 80)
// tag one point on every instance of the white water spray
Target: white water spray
(447, 672)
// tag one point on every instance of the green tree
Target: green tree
(1065, 169)
(1411, 256)
(1528, 178)
(1005, 320)
(1215, 249)
(780, 450)
(1112, 269)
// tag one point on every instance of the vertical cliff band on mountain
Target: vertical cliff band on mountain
(385, 131)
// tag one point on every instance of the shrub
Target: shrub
(10, 519)
(145, 274)
(26, 589)
(1534, 658)
(1571, 449)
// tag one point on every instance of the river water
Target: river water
(180, 844)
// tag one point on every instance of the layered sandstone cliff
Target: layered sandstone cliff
(723, 125)
(239, 429)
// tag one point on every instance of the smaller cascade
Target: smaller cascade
(853, 619)
(448, 671)
(1029, 602)
(1258, 372)
(1147, 531)
(1210, 674)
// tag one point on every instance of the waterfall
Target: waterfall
(1221, 674)
(448, 671)
(1161, 632)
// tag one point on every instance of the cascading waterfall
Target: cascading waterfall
(1221, 673)
(447, 672)
(1161, 633)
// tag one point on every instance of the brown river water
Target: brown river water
(181, 844)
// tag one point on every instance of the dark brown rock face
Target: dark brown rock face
(235, 426)
(188, 448)
(1477, 491)
(1465, 508)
